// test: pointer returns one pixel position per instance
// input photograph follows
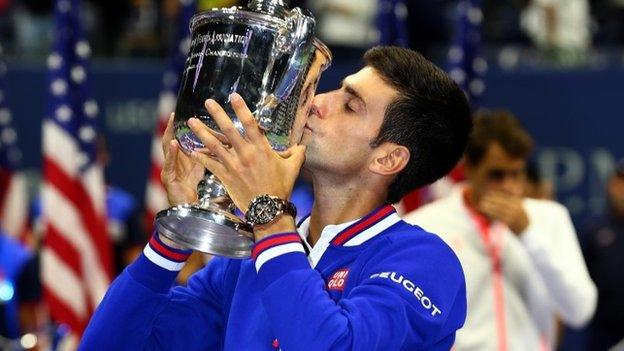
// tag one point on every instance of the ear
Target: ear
(389, 159)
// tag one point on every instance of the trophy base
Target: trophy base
(212, 230)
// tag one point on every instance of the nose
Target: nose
(320, 105)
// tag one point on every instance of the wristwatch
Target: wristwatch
(265, 208)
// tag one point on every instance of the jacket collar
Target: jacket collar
(355, 232)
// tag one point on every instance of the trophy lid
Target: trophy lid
(276, 8)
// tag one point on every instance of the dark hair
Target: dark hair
(499, 127)
(430, 117)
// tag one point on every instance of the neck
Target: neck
(339, 203)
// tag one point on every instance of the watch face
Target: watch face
(263, 210)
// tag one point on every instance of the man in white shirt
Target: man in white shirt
(521, 256)
(560, 25)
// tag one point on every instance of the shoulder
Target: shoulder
(435, 209)
(411, 245)
(537, 205)
(421, 268)
(546, 209)
(443, 217)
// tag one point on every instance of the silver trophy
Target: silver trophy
(267, 53)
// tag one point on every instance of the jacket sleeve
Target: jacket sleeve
(408, 296)
(553, 246)
(141, 311)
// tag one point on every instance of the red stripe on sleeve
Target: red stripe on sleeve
(166, 252)
(273, 241)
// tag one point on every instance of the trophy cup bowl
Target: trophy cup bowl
(267, 53)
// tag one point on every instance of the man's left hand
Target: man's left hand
(248, 166)
(506, 208)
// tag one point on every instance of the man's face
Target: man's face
(343, 123)
(497, 171)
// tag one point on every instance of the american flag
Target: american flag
(76, 256)
(466, 65)
(13, 189)
(155, 194)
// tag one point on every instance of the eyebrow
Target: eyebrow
(351, 90)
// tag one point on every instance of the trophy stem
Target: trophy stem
(212, 193)
(209, 225)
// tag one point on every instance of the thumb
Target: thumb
(168, 170)
(290, 151)
(298, 154)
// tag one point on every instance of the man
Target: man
(369, 282)
(604, 251)
(521, 257)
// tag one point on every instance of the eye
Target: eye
(352, 105)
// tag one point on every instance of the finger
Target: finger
(222, 138)
(496, 210)
(225, 124)
(168, 170)
(253, 132)
(488, 207)
(496, 198)
(183, 161)
(168, 134)
(210, 163)
(211, 143)
(503, 202)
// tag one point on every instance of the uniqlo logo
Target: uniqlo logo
(337, 281)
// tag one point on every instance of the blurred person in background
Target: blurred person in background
(125, 222)
(521, 257)
(347, 26)
(140, 37)
(603, 246)
(20, 290)
(560, 28)
(32, 21)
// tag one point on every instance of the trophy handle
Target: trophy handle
(296, 37)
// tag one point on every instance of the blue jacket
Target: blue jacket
(378, 284)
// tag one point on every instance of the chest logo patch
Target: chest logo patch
(338, 279)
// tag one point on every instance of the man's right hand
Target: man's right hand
(180, 174)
